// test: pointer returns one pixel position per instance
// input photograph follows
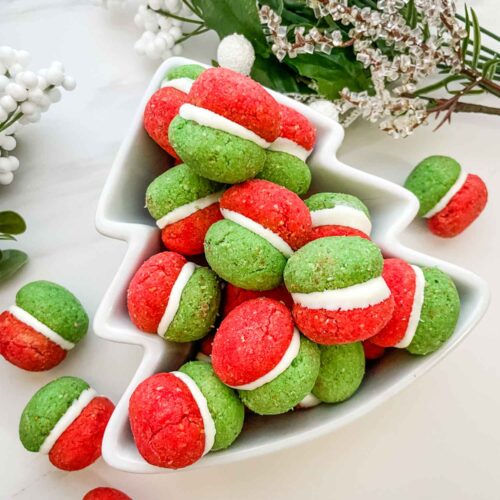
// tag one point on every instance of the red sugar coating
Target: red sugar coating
(238, 98)
(372, 351)
(296, 127)
(187, 235)
(149, 290)
(234, 296)
(106, 494)
(80, 444)
(26, 348)
(166, 422)
(462, 210)
(342, 327)
(160, 110)
(400, 278)
(251, 341)
(206, 345)
(325, 231)
(273, 207)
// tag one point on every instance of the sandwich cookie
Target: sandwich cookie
(338, 290)
(258, 351)
(45, 323)
(338, 214)
(178, 417)
(66, 419)
(426, 310)
(174, 298)
(286, 156)
(372, 351)
(225, 128)
(164, 104)
(184, 206)
(450, 199)
(263, 225)
(104, 493)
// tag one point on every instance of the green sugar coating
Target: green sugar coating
(320, 201)
(439, 314)
(177, 186)
(214, 154)
(224, 405)
(243, 258)
(198, 307)
(56, 307)
(331, 263)
(46, 408)
(341, 372)
(287, 171)
(192, 71)
(290, 387)
(431, 179)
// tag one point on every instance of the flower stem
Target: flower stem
(12, 119)
(179, 18)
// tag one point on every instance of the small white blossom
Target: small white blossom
(237, 53)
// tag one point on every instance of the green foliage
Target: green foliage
(11, 260)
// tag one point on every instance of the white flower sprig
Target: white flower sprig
(24, 96)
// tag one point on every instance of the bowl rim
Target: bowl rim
(141, 238)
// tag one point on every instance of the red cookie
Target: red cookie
(325, 231)
(273, 207)
(297, 128)
(80, 444)
(251, 341)
(239, 99)
(103, 493)
(372, 351)
(462, 210)
(402, 281)
(234, 296)
(160, 110)
(166, 422)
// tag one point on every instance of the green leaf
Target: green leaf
(465, 41)
(11, 223)
(6, 236)
(226, 17)
(270, 73)
(476, 49)
(332, 72)
(11, 262)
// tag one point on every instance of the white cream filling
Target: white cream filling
(290, 354)
(342, 215)
(175, 297)
(201, 402)
(276, 241)
(284, 145)
(448, 196)
(416, 309)
(210, 119)
(188, 209)
(72, 413)
(358, 296)
(203, 357)
(37, 325)
(309, 401)
(183, 84)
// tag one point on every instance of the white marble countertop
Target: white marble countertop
(440, 438)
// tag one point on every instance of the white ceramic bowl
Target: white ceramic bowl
(121, 215)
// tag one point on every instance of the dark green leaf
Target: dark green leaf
(270, 73)
(465, 41)
(276, 5)
(11, 223)
(11, 262)
(6, 236)
(476, 49)
(229, 16)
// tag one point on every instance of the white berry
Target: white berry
(16, 91)
(236, 52)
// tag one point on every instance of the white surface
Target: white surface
(437, 439)
(392, 207)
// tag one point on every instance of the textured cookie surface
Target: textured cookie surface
(341, 372)
(290, 387)
(166, 422)
(104, 493)
(224, 405)
(296, 127)
(321, 201)
(431, 179)
(46, 408)
(192, 71)
(439, 314)
(56, 307)
(326, 231)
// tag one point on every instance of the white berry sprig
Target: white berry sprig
(24, 96)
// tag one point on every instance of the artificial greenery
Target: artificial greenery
(11, 223)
